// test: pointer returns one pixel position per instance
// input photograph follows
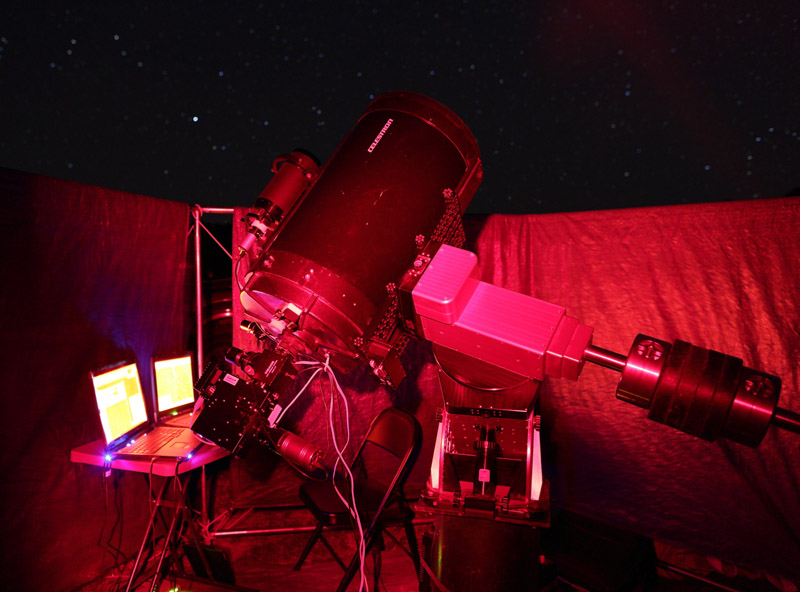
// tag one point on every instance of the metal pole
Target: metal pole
(197, 212)
(788, 420)
(605, 358)
(215, 210)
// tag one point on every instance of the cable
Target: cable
(115, 551)
(254, 422)
(319, 369)
(150, 500)
(302, 390)
(121, 516)
(119, 522)
(236, 270)
(349, 504)
(107, 545)
(340, 457)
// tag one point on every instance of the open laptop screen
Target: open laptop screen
(120, 400)
(174, 383)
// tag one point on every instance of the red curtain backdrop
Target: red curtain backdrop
(90, 277)
(724, 276)
(93, 276)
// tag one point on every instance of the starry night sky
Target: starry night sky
(584, 104)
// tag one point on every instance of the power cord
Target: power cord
(351, 504)
(337, 396)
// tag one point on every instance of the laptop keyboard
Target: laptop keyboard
(153, 441)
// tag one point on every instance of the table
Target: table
(171, 470)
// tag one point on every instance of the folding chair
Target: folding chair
(377, 486)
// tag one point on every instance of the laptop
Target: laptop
(123, 415)
(173, 383)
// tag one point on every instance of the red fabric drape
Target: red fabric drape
(724, 276)
(90, 277)
(93, 276)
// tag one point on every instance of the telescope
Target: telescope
(347, 262)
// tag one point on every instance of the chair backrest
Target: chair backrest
(394, 430)
(399, 434)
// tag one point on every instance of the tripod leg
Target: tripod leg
(167, 543)
(195, 537)
(150, 525)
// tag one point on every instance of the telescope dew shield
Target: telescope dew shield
(409, 167)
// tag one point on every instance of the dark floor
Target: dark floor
(264, 562)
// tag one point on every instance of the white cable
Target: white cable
(340, 457)
(236, 270)
(300, 392)
(349, 504)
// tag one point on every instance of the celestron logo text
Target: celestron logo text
(379, 137)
